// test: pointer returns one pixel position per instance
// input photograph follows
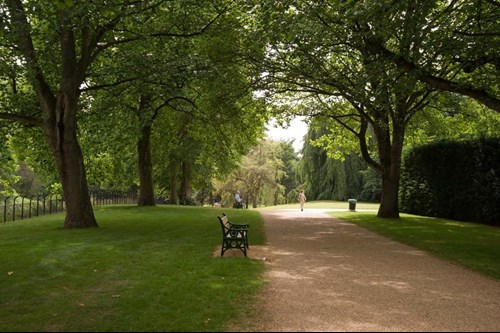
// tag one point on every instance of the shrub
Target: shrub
(454, 180)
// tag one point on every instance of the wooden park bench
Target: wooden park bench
(234, 236)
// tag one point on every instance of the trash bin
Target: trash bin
(352, 204)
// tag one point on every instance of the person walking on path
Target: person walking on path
(327, 275)
(302, 200)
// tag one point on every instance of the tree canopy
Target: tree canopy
(171, 94)
(61, 52)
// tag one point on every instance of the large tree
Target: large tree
(327, 175)
(321, 56)
(159, 72)
(56, 43)
(193, 86)
(260, 171)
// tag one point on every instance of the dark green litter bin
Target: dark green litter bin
(352, 204)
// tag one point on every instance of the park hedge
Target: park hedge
(453, 180)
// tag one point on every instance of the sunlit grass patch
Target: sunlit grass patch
(143, 269)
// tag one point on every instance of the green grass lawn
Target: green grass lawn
(153, 268)
(143, 269)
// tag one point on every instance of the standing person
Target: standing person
(302, 200)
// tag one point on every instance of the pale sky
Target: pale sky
(296, 130)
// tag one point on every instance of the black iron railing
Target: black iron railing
(14, 208)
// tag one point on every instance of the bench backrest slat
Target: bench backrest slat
(224, 222)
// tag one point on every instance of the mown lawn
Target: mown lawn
(154, 269)
(143, 269)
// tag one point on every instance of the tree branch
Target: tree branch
(27, 120)
(21, 27)
(439, 83)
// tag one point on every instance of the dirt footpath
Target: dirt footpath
(327, 275)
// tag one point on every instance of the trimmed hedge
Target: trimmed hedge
(453, 180)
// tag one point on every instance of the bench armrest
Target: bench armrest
(238, 233)
(238, 226)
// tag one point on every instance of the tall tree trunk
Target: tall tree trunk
(389, 206)
(185, 195)
(173, 182)
(146, 194)
(60, 131)
(390, 160)
(253, 192)
(253, 199)
(59, 116)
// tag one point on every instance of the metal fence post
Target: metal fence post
(14, 208)
(50, 203)
(37, 204)
(44, 197)
(22, 208)
(5, 210)
(31, 200)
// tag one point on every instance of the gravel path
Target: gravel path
(327, 275)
